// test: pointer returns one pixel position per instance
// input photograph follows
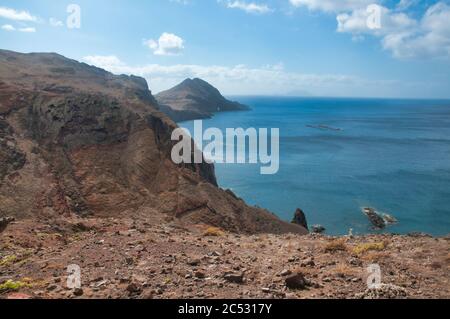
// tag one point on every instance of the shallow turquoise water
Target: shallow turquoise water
(393, 155)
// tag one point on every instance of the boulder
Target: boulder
(296, 282)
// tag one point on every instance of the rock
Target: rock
(355, 262)
(52, 287)
(4, 222)
(318, 229)
(193, 262)
(134, 289)
(296, 282)
(78, 292)
(200, 275)
(376, 220)
(234, 278)
(285, 273)
(308, 263)
(300, 218)
(129, 261)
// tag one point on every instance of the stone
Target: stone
(318, 229)
(193, 262)
(78, 292)
(296, 282)
(200, 275)
(234, 278)
(134, 289)
(285, 273)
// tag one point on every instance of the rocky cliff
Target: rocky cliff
(195, 99)
(77, 140)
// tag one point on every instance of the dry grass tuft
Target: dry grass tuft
(343, 270)
(375, 256)
(213, 232)
(335, 245)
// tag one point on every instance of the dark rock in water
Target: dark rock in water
(318, 229)
(297, 281)
(4, 222)
(377, 221)
(300, 218)
(388, 219)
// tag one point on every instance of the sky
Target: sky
(346, 48)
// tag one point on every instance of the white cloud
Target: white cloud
(249, 7)
(184, 2)
(332, 5)
(400, 33)
(55, 22)
(104, 61)
(430, 39)
(8, 27)
(238, 79)
(270, 80)
(167, 44)
(27, 30)
(13, 14)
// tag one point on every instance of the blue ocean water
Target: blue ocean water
(392, 155)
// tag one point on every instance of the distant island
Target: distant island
(195, 99)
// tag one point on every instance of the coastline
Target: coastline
(230, 176)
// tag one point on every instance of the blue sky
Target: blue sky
(250, 47)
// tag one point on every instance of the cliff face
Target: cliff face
(195, 99)
(75, 139)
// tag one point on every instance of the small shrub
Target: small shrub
(335, 245)
(213, 232)
(8, 260)
(363, 248)
(10, 285)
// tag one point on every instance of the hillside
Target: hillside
(77, 140)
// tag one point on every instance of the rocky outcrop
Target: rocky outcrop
(376, 220)
(77, 140)
(195, 99)
(300, 218)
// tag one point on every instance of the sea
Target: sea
(339, 155)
